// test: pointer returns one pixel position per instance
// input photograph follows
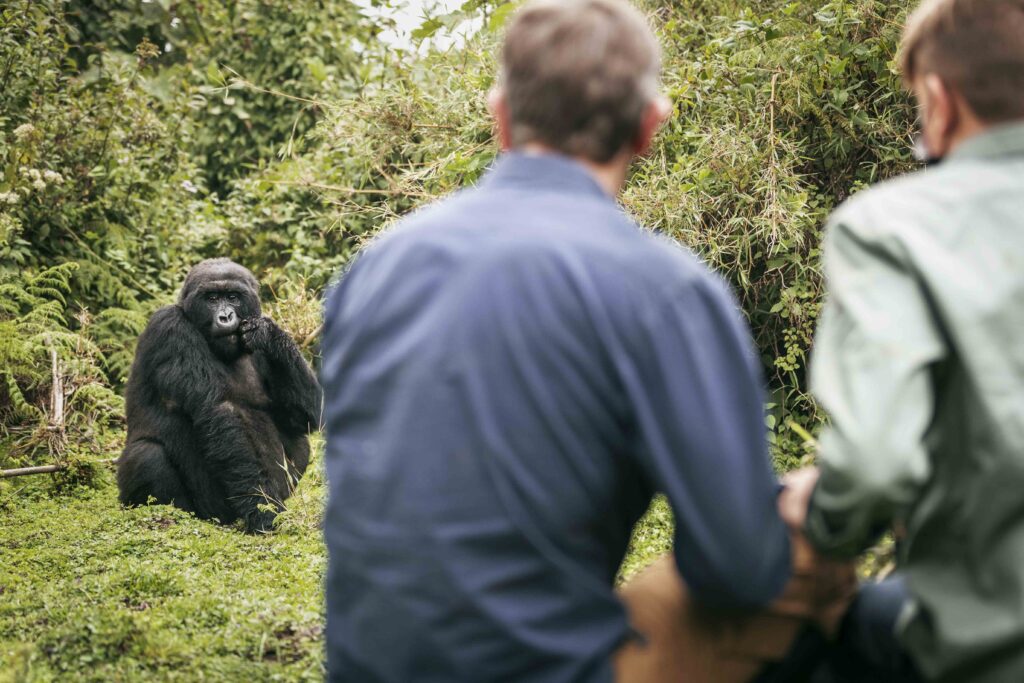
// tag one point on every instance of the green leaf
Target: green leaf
(317, 69)
(427, 29)
(213, 73)
(500, 16)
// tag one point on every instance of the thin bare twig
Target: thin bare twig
(390, 191)
(249, 85)
(44, 469)
(23, 471)
(311, 337)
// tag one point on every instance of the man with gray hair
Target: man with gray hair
(512, 373)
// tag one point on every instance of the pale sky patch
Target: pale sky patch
(409, 15)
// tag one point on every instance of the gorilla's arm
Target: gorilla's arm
(291, 384)
(175, 361)
(183, 371)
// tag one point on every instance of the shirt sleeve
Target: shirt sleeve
(699, 403)
(872, 368)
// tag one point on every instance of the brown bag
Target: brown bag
(681, 642)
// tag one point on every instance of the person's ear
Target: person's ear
(940, 115)
(655, 114)
(497, 104)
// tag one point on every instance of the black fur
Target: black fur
(220, 403)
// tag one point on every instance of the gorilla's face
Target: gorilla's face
(217, 312)
(218, 295)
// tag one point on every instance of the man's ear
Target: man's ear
(655, 114)
(497, 104)
(940, 114)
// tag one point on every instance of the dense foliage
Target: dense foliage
(253, 71)
(782, 110)
(109, 144)
(137, 137)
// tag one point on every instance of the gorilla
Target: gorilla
(219, 404)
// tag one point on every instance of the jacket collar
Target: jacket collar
(548, 172)
(1000, 141)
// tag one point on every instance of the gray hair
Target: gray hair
(578, 75)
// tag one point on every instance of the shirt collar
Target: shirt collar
(1000, 141)
(548, 171)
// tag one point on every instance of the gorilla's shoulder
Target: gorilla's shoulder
(166, 316)
(166, 327)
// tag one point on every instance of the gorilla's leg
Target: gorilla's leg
(231, 446)
(144, 471)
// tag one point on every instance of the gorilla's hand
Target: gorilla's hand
(260, 521)
(258, 333)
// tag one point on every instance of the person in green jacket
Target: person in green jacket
(919, 360)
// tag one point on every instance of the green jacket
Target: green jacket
(919, 360)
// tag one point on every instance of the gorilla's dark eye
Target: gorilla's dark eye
(233, 297)
(212, 298)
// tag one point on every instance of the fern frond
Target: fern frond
(22, 408)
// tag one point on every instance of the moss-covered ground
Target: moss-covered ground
(93, 592)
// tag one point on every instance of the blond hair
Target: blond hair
(578, 75)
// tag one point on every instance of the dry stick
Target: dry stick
(45, 469)
(56, 391)
(395, 192)
(243, 82)
(311, 337)
(773, 171)
(22, 471)
(56, 437)
(55, 425)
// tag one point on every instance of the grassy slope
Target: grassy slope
(91, 592)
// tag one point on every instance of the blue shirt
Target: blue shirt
(510, 376)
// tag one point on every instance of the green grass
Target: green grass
(652, 537)
(92, 592)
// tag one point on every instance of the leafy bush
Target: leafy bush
(96, 214)
(46, 364)
(254, 72)
(92, 169)
(782, 109)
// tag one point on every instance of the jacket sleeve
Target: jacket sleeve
(875, 350)
(699, 408)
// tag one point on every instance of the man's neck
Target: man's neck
(970, 126)
(966, 133)
(610, 176)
